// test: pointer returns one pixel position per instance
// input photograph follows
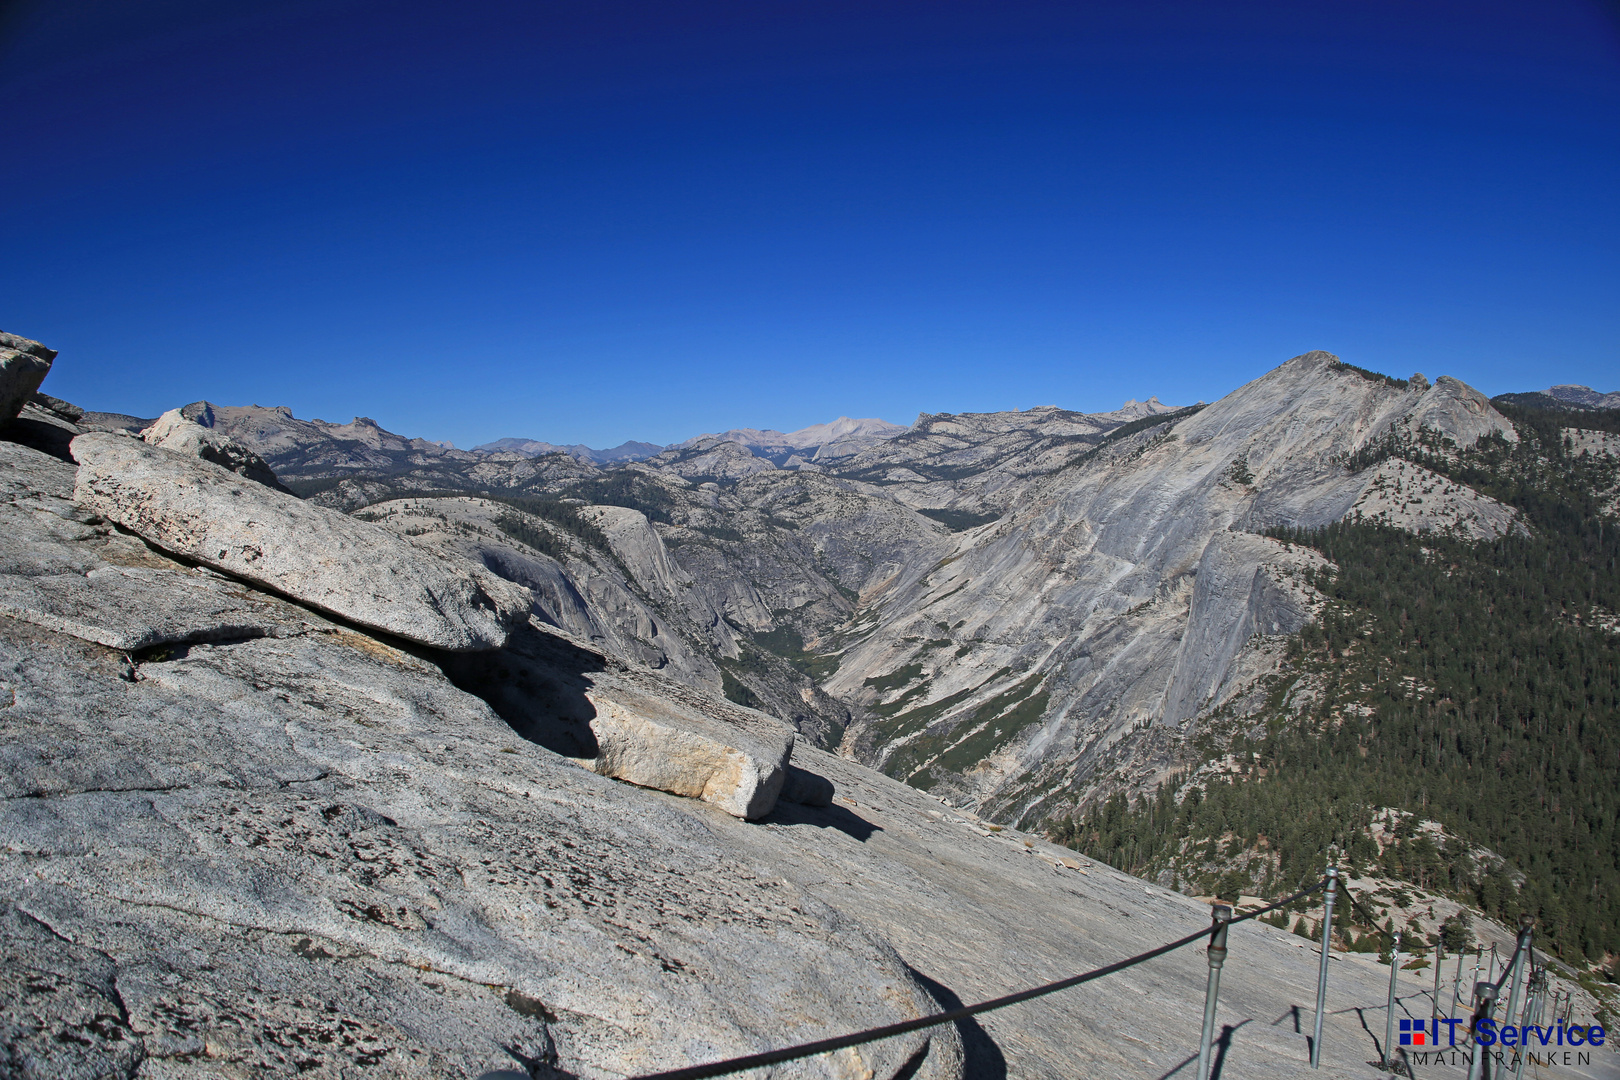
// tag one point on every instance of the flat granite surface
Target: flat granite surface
(978, 914)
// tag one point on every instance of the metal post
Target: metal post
(1434, 1016)
(1220, 915)
(1484, 1005)
(1532, 1014)
(1521, 957)
(1389, 1017)
(1321, 975)
(1456, 987)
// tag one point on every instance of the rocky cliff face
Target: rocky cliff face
(243, 837)
(1130, 591)
(1014, 609)
(248, 830)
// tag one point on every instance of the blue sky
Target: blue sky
(595, 221)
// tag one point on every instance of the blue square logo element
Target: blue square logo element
(1412, 1033)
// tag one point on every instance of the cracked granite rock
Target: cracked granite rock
(23, 366)
(629, 725)
(183, 435)
(351, 569)
(311, 854)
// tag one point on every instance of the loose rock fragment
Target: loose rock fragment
(23, 366)
(185, 436)
(320, 557)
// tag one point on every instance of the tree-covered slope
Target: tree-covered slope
(1476, 685)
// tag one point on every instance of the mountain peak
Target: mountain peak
(1583, 396)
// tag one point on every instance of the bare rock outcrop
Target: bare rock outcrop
(625, 723)
(349, 568)
(1410, 497)
(1122, 593)
(183, 435)
(313, 854)
(23, 366)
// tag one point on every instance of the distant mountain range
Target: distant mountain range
(1330, 595)
(1583, 396)
(625, 451)
(840, 438)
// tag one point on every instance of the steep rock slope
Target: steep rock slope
(997, 602)
(1119, 596)
(291, 848)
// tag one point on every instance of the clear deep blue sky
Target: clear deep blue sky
(589, 220)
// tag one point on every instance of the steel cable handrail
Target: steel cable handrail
(824, 1046)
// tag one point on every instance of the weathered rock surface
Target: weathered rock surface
(327, 560)
(312, 854)
(1123, 592)
(182, 435)
(622, 723)
(66, 410)
(23, 366)
(62, 569)
(1416, 499)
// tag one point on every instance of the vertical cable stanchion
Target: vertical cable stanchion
(1220, 916)
(1439, 957)
(1389, 1019)
(1532, 1006)
(1456, 986)
(1521, 956)
(1484, 1005)
(1321, 975)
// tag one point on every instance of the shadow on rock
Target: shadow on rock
(982, 1058)
(823, 817)
(1222, 1046)
(38, 435)
(537, 685)
(535, 1067)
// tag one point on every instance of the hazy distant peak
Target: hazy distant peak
(625, 451)
(842, 437)
(1584, 396)
(806, 438)
(1135, 410)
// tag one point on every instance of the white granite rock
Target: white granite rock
(23, 366)
(319, 557)
(179, 433)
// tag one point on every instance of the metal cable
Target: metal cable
(1509, 969)
(1372, 920)
(823, 1046)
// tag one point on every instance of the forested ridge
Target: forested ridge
(1472, 684)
